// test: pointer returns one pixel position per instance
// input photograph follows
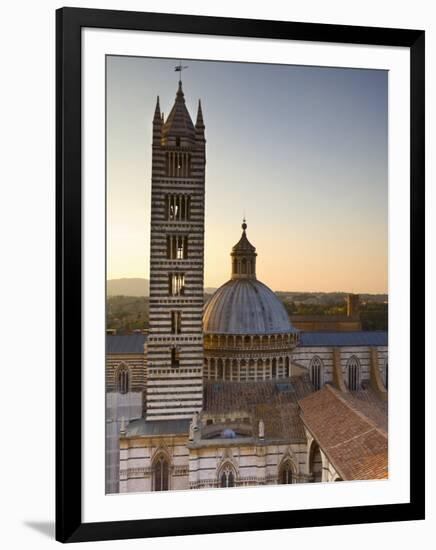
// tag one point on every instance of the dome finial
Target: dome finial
(244, 224)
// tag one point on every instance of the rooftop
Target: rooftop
(355, 441)
(225, 396)
(134, 343)
(245, 306)
(275, 402)
(125, 343)
(140, 427)
(344, 339)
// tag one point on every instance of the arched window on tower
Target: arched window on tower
(175, 358)
(160, 470)
(316, 372)
(227, 476)
(122, 380)
(353, 370)
(286, 473)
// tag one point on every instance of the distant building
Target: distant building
(233, 395)
(332, 323)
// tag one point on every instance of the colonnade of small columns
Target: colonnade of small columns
(236, 341)
(240, 369)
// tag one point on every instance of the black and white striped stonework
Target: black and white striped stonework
(175, 341)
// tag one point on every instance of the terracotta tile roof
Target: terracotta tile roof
(368, 402)
(223, 396)
(273, 401)
(282, 421)
(353, 437)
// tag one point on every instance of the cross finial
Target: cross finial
(244, 224)
(179, 68)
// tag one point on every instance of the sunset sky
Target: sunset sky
(302, 152)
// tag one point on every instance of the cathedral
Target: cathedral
(232, 393)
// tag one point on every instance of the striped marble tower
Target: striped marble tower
(175, 342)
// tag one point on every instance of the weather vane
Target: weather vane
(179, 68)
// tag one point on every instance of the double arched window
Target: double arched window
(160, 473)
(316, 372)
(227, 476)
(353, 371)
(122, 379)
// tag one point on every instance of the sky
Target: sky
(301, 151)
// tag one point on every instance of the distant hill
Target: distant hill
(327, 298)
(209, 290)
(128, 287)
(140, 287)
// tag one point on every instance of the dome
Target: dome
(245, 306)
(228, 433)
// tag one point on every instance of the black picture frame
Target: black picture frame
(69, 22)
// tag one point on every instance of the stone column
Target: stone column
(338, 378)
(375, 375)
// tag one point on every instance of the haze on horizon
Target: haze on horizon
(300, 151)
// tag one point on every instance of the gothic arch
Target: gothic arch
(353, 373)
(315, 462)
(316, 370)
(227, 475)
(160, 471)
(287, 471)
(122, 378)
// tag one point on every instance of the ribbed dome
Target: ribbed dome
(245, 306)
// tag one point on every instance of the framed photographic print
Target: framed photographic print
(240, 270)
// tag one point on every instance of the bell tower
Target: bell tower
(175, 341)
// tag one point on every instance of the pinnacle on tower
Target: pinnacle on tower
(157, 115)
(157, 123)
(199, 123)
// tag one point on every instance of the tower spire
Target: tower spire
(157, 115)
(178, 126)
(157, 123)
(199, 122)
